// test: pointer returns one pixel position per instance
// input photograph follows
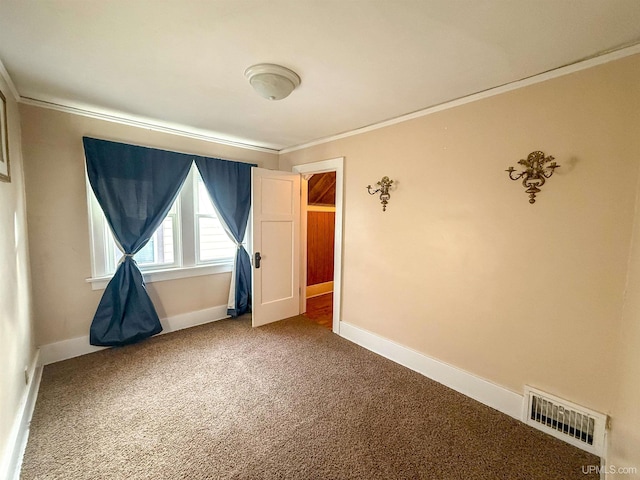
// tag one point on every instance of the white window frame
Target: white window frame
(185, 263)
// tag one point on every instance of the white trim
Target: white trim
(100, 283)
(7, 78)
(208, 136)
(12, 456)
(74, 347)
(66, 349)
(538, 78)
(144, 122)
(193, 319)
(319, 289)
(332, 165)
(472, 386)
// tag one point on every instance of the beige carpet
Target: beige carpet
(286, 401)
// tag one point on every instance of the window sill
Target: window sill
(100, 283)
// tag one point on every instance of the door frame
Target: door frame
(332, 165)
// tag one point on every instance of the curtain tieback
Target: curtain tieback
(125, 256)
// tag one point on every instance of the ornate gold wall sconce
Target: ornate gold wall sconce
(383, 188)
(535, 173)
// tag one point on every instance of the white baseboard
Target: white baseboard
(74, 347)
(193, 319)
(12, 456)
(65, 349)
(479, 389)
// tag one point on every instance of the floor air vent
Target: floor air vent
(567, 421)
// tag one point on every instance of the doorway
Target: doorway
(324, 294)
(320, 238)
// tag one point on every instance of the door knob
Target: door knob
(257, 258)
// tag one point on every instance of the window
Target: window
(159, 252)
(190, 241)
(213, 242)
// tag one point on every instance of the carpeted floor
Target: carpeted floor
(289, 400)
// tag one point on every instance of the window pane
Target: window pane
(158, 251)
(203, 203)
(147, 254)
(167, 239)
(213, 242)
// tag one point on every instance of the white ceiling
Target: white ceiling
(181, 62)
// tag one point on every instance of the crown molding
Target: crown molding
(198, 134)
(142, 122)
(7, 78)
(538, 78)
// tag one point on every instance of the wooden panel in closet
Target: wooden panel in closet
(320, 238)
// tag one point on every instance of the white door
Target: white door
(275, 200)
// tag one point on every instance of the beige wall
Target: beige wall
(462, 268)
(64, 303)
(624, 448)
(16, 326)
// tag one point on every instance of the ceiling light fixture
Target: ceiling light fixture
(272, 82)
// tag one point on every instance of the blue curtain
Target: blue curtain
(229, 186)
(135, 186)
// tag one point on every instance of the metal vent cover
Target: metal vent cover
(577, 425)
